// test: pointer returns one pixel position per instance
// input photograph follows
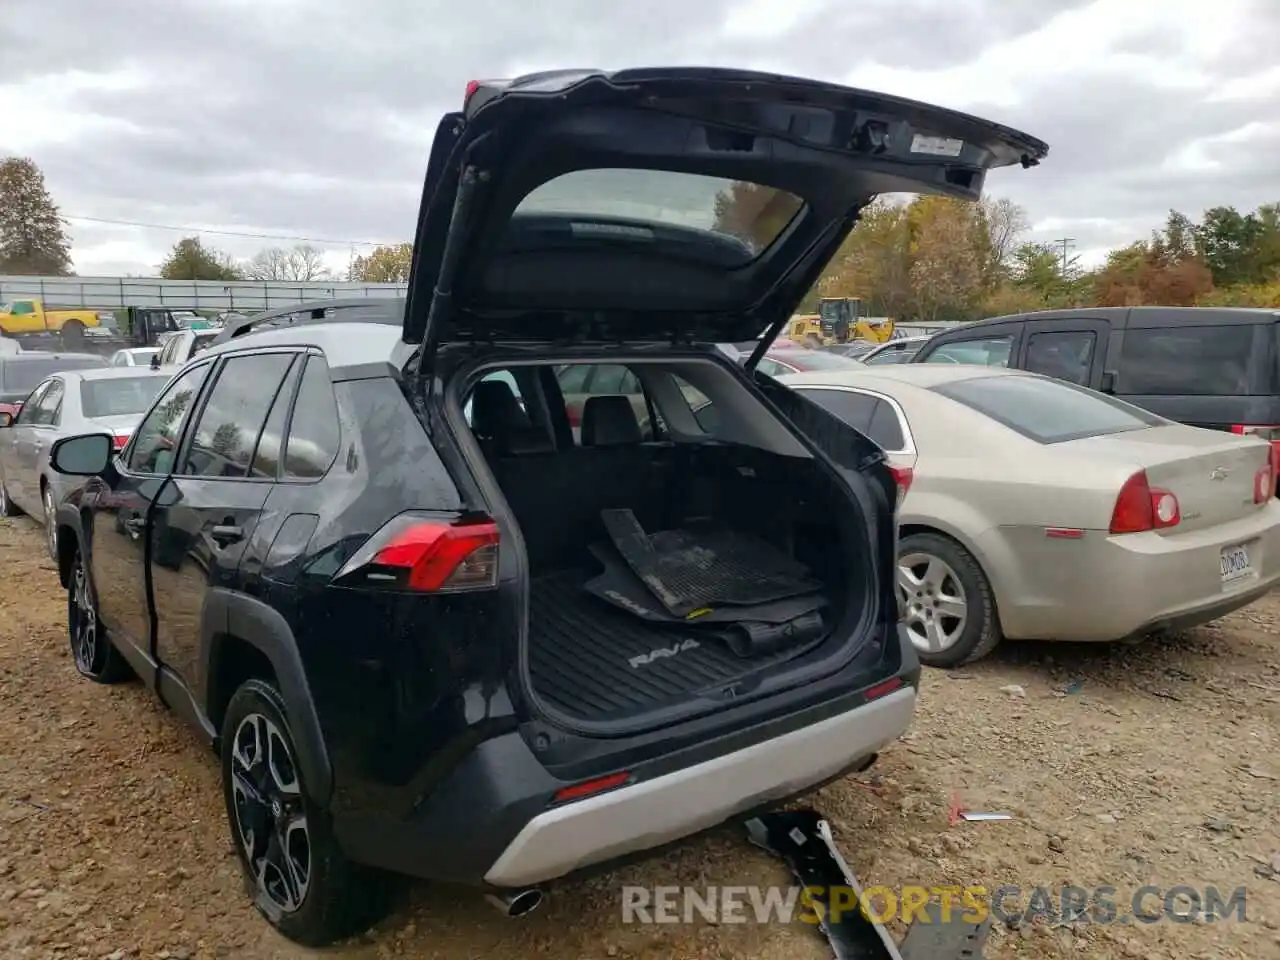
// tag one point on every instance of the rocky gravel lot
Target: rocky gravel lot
(1154, 764)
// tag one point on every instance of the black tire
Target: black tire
(980, 633)
(92, 652)
(7, 507)
(333, 898)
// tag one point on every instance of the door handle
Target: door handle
(225, 533)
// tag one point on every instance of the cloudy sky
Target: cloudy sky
(311, 119)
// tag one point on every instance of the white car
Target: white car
(134, 357)
(1037, 509)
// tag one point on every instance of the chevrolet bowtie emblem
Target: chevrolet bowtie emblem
(1219, 473)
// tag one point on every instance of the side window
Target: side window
(1067, 355)
(1186, 361)
(314, 436)
(573, 378)
(885, 428)
(855, 409)
(266, 457)
(31, 406)
(119, 360)
(612, 378)
(155, 442)
(988, 352)
(50, 406)
(22, 308)
(771, 368)
(169, 351)
(227, 430)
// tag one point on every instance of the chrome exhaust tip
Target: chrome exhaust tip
(515, 903)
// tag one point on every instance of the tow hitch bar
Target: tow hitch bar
(803, 839)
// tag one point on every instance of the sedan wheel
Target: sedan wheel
(50, 522)
(946, 603)
(7, 506)
(936, 610)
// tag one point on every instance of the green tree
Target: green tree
(190, 259)
(383, 265)
(1229, 244)
(33, 238)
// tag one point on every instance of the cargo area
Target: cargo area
(671, 567)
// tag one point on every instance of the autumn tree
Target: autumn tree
(383, 265)
(33, 239)
(300, 263)
(948, 258)
(753, 213)
(190, 259)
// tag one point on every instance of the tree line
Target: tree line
(927, 258)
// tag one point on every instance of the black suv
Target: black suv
(436, 629)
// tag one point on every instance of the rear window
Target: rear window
(25, 374)
(1047, 411)
(622, 204)
(120, 396)
(1186, 361)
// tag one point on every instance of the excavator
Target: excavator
(838, 320)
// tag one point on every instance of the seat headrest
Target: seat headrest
(609, 420)
(495, 411)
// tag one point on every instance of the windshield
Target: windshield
(119, 396)
(1047, 410)
(23, 377)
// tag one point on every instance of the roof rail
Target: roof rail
(385, 310)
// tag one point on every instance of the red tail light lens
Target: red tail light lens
(120, 440)
(1141, 507)
(1264, 481)
(429, 555)
(902, 476)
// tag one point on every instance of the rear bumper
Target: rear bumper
(1102, 588)
(491, 821)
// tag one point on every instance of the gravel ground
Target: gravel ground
(1154, 764)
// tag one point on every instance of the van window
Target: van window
(1186, 361)
(1047, 411)
(988, 352)
(1067, 355)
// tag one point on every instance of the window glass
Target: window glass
(155, 442)
(855, 409)
(1067, 355)
(314, 436)
(989, 352)
(1186, 361)
(119, 396)
(886, 429)
(614, 378)
(227, 431)
(771, 368)
(30, 406)
(505, 376)
(22, 308)
(50, 405)
(1047, 411)
(573, 378)
(740, 219)
(266, 458)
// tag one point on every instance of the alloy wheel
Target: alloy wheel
(50, 523)
(270, 817)
(935, 609)
(84, 621)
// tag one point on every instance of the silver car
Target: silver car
(134, 357)
(110, 400)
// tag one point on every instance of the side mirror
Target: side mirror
(6, 419)
(155, 362)
(84, 456)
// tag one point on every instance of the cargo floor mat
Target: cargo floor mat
(597, 662)
(698, 567)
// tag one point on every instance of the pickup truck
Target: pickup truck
(30, 318)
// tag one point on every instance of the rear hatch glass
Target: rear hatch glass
(1047, 410)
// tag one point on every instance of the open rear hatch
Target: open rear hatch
(642, 211)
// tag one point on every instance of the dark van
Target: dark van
(1208, 367)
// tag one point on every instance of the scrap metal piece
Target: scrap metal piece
(803, 839)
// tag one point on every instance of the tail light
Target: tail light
(472, 87)
(119, 440)
(1264, 481)
(1141, 507)
(430, 555)
(902, 476)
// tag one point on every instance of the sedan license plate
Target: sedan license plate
(1236, 564)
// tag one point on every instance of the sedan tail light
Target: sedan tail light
(902, 476)
(1141, 507)
(119, 440)
(1264, 481)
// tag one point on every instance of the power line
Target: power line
(230, 233)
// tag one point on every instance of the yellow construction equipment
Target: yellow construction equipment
(838, 320)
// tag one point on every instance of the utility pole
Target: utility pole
(1066, 243)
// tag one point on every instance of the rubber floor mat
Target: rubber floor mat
(694, 568)
(597, 662)
(621, 586)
